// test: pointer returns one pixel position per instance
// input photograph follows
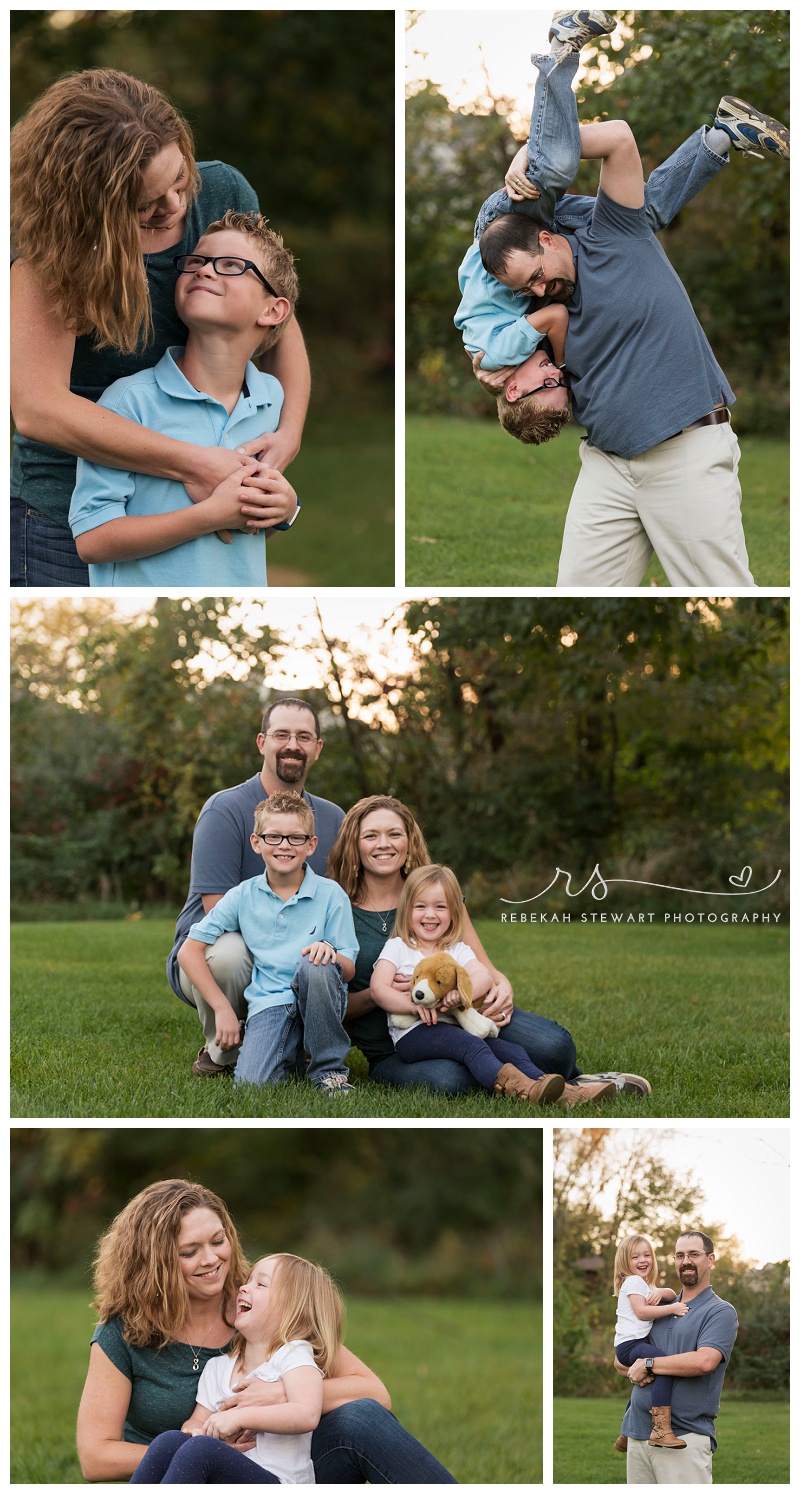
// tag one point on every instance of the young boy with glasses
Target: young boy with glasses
(494, 318)
(299, 928)
(235, 295)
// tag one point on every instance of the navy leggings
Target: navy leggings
(484, 1057)
(177, 1458)
(644, 1348)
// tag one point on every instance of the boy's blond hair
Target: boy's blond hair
(272, 257)
(415, 883)
(623, 1261)
(284, 802)
(530, 423)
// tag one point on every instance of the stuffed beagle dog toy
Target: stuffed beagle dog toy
(435, 977)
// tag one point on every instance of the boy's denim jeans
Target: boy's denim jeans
(668, 189)
(274, 1039)
(554, 145)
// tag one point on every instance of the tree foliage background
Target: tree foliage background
(730, 246)
(444, 1212)
(647, 1197)
(301, 101)
(650, 736)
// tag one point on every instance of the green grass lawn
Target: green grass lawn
(465, 1378)
(753, 1441)
(702, 1011)
(483, 510)
(344, 477)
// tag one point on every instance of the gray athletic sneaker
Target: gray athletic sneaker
(573, 29)
(335, 1084)
(748, 127)
(629, 1084)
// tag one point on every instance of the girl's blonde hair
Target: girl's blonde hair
(416, 882)
(623, 1261)
(137, 1274)
(306, 1304)
(77, 159)
(344, 861)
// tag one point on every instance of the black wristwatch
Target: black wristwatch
(648, 1364)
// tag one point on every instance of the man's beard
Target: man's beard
(565, 292)
(290, 769)
(689, 1274)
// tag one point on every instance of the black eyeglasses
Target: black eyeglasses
(548, 384)
(276, 840)
(186, 264)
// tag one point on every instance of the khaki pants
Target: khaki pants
(231, 964)
(681, 499)
(663, 1465)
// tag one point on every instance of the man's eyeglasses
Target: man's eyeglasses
(302, 738)
(548, 384)
(225, 264)
(277, 840)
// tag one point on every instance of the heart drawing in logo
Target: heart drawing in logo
(743, 878)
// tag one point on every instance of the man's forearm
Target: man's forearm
(687, 1365)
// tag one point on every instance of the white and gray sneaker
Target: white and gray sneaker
(629, 1084)
(335, 1084)
(573, 29)
(748, 128)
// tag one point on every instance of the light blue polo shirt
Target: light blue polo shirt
(162, 399)
(276, 931)
(492, 317)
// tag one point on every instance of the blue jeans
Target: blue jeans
(668, 189)
(274, 1039)
(554, 145)
(484, 1057)
(178, 1458)
(363, 1443)
(43, 552)
(545, 1042)
(644, 1348)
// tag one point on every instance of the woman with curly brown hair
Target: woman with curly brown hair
(105, 191)
(378, 844)
(167, 1274)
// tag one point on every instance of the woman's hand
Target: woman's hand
(213, 465)
(518, 186)
(498, 1005)
(401, 983)
(268, 498)
(276, 448)
(495, 381)
(255, 1393)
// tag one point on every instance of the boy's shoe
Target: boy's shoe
(621, 1444)
(627, 1084)
(574, 28)
(748, 127)
(585, 1094)
(205, 1067)
(335, 1084)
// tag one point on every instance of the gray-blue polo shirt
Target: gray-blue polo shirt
(276, 931)
(162, 399)
(710, 1323)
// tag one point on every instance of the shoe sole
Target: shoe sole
(765, 130)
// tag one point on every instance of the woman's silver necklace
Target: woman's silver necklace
(196, 1351)
(383, 917)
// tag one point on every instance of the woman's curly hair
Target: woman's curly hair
(77, 159)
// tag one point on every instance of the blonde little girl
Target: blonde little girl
(639, 1303)
(430, 920)
(288, 1327)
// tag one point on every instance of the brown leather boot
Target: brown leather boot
(621, 1444)
(662, 1434)
(585, 1094)
(517, 1086)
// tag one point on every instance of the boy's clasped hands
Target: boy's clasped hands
(254, 496)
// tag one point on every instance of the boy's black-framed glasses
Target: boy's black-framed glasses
(225, 264)
(548, 384)
(276, 840)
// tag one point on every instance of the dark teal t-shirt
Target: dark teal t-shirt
(163, 1383)
(43, 477)
(370, 1033)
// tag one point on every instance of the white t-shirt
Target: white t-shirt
(406, 958)
(286, 1454)
(628, 1325)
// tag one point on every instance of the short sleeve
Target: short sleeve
(339, 927)
(610, 220)
(462, 953)
(217, 849)
(719, 1330)
(212, 1383)
(394, 951)
(297, 1354)
(109, 1337)
(222, 919)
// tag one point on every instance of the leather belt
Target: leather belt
(716, 417)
